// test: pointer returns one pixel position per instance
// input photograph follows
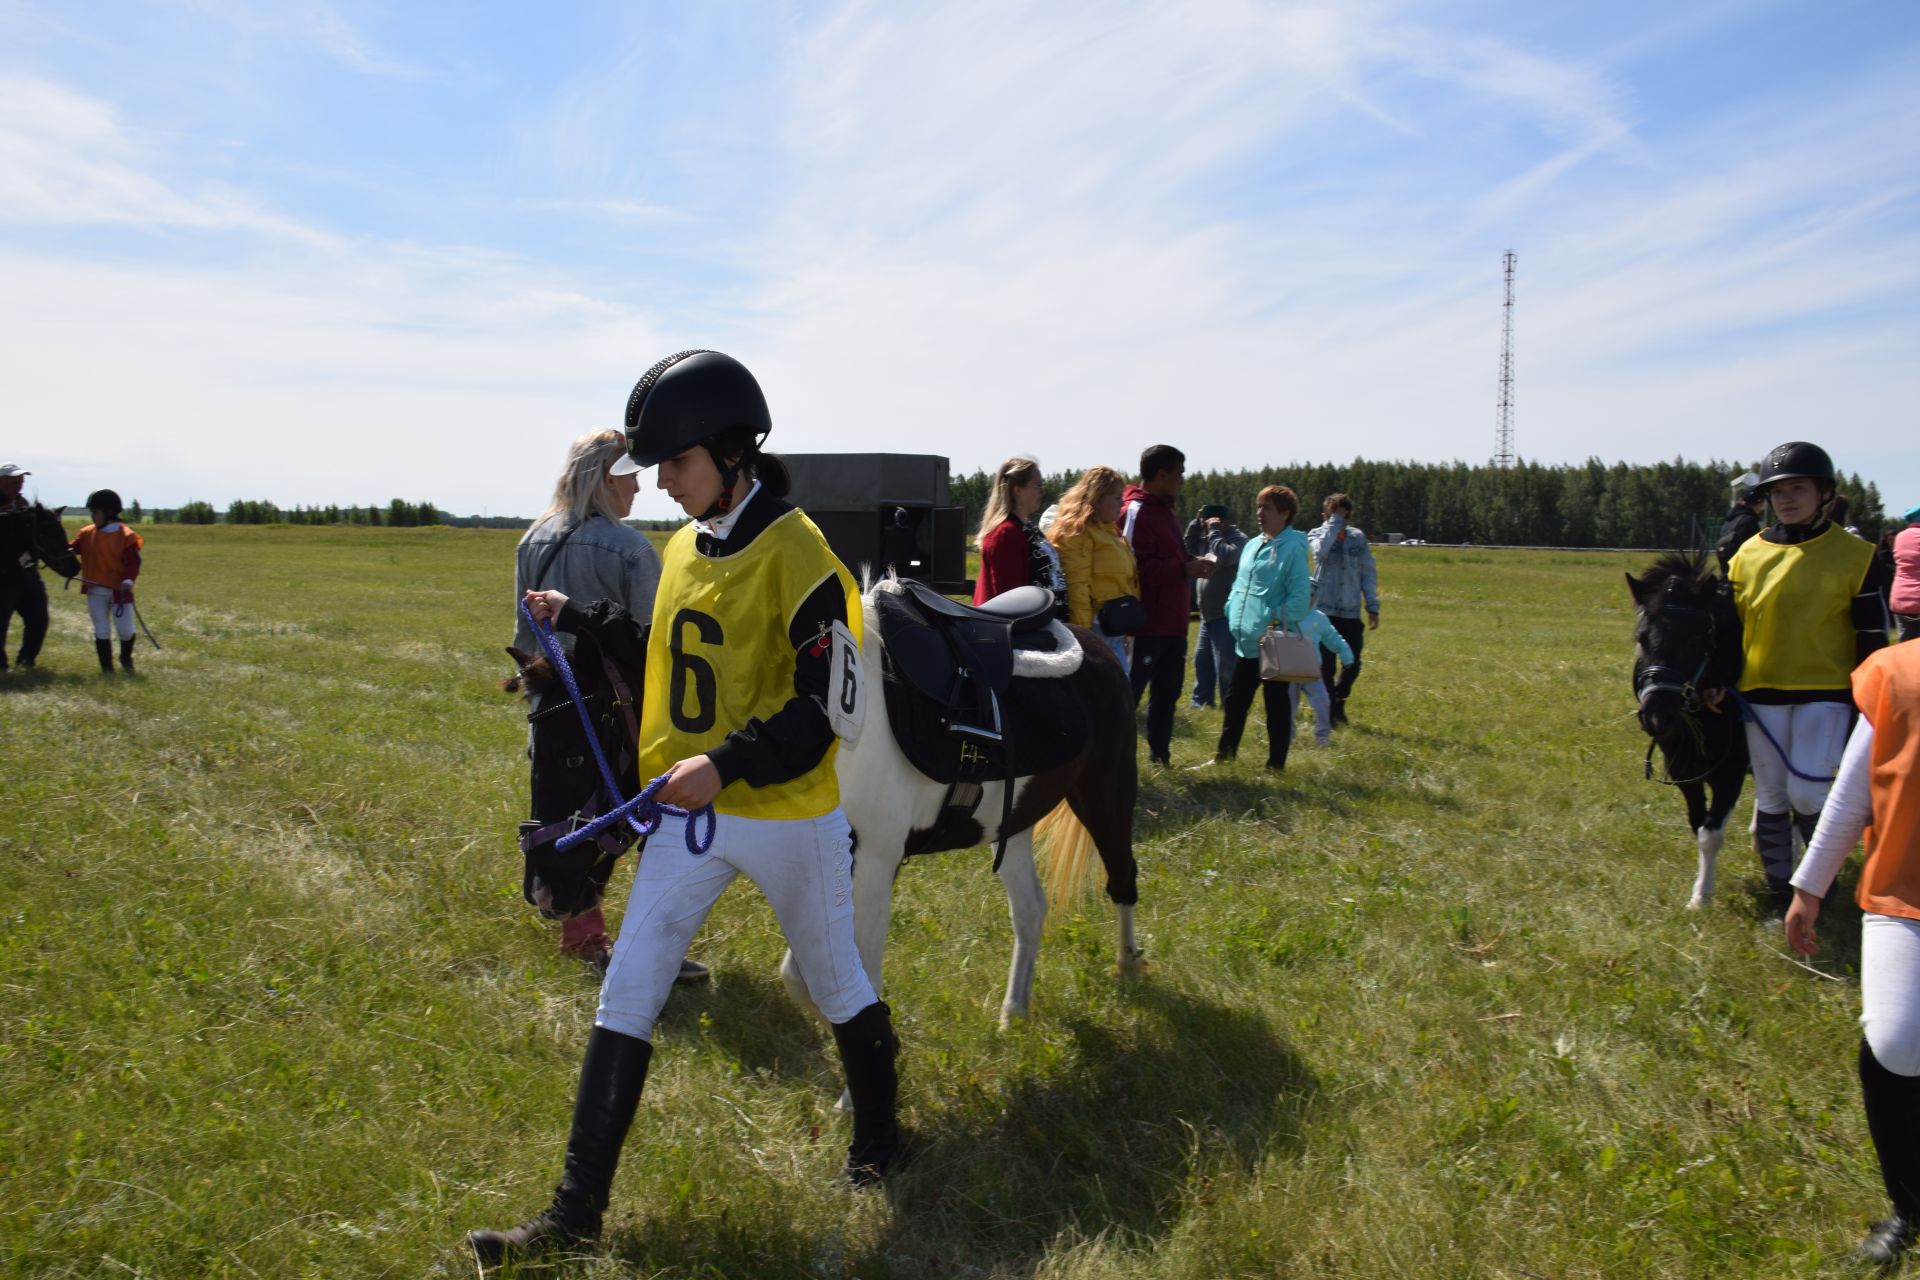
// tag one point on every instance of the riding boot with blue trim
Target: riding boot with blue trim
(104, 648)
(1893, 1118)
(1805, 823)
(867, 1050)
(1773, 841)
(611, 1078)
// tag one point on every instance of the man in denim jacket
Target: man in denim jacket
(1344, 582)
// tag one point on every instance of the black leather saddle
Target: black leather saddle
(939, 646)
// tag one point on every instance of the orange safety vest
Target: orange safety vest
(1886, 688)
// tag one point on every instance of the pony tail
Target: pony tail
(772, 474)
(1066, 844)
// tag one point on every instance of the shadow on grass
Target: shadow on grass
(27, 680)
(750, 1018)
(1838, 928)
(1171, 801)
(1120, 1135)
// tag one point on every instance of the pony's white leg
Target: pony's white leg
(1709, 840)
(1131, 961)
(1027, 903)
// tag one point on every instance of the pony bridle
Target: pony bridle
(1657, 677)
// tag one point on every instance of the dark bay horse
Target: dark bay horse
(1686, 639)
(30, 537)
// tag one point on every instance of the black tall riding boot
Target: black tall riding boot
(867, 1049)
(1805, 823)
(105, 649)
(126, 655)
(1773, 841)
(611, 1079)
(1893, 1118)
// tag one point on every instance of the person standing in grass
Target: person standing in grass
(1148, 524)
(1213, 533)
(752, 611)
(1876, 793)
(1316, 628)
(1812, 606)
(580, 547)
(1013, 551)
(109, 554)
(1904, 596)
(1271, 586)
(21, 590)
(1345, 582)
(1102, 581)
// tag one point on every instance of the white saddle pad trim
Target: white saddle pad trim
(1031, 664)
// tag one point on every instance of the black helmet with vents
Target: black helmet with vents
(1796, 460)
(692, 398)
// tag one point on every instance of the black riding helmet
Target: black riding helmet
(688, 399)
(105, 500)
(1796, 460)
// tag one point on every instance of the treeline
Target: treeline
(1665, 504)
(397, 514)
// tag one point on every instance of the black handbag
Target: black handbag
(1122, 616)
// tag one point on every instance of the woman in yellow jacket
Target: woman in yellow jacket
(1097, 561)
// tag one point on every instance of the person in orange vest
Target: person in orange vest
(109, 554)
(1876, 793)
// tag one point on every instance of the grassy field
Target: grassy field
(1427, 1005)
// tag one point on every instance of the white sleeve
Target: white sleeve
(1133, 514)
(1849, 807)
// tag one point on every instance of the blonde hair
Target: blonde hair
(1078, 504)
(581, 489)
(1013, 473)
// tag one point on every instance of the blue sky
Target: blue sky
(341, 253)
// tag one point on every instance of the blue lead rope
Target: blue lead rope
(1746, 713)
(643, 812)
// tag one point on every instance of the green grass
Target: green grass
(1427, 1005)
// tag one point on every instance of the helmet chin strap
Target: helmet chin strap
(729, 477)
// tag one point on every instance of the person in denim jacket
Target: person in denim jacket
(1271, 585)
(1344, 584)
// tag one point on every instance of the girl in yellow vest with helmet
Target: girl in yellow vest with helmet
(1812, 605)
(739, 675)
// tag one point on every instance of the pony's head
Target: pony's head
(565, 781)
(40, 534)
(1680, 604)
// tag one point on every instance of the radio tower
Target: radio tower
(1503, 422)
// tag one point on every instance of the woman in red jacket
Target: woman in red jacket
(1013, 551)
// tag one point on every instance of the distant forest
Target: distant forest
(1666, 504)
(397, 514)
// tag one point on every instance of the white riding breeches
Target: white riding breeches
(805, 869)
(1890, 991)
(107, 615)
(1814, 737)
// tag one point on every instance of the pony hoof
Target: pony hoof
(1133, 967)
(1696, 902)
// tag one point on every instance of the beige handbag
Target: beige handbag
(1288, 656)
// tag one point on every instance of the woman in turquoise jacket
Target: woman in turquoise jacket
(1274, 584)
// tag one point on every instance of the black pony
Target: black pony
(567, 792)
(1687, 640)
(30, 536)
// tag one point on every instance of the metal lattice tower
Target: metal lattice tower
(1503, 422)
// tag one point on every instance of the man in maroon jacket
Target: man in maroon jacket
(1148, 523)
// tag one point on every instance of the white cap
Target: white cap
(13, 469)
(1745, 480)
(625, 465)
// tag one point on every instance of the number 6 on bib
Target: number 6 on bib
(846, 704)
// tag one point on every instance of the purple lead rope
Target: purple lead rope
(643, 812)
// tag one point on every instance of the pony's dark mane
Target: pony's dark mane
(1688, 571)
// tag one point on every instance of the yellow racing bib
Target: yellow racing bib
(720, 655)
(1796, 608)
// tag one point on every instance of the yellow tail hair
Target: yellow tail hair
(1069, 853)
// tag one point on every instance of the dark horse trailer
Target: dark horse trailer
(885, 510)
